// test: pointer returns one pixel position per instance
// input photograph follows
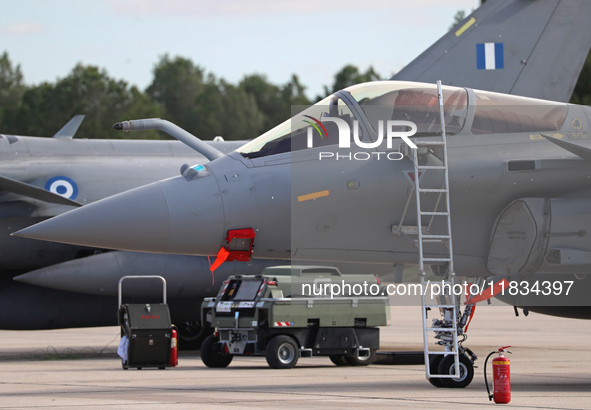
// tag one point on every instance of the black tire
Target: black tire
(191, 335)
(434, 362)
(211, 357)
(282, 352)
(448, 366)
(338, 359)
(361, 360)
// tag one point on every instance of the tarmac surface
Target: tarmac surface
(78, 368)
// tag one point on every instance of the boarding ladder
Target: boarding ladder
(450, 325)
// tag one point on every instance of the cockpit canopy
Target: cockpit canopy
(365, 108)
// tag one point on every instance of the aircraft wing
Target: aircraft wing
(31, 191)
(579, 150)
(522, 47)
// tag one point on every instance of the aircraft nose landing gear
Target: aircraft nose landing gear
(454, 366)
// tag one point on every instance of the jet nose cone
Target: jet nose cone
(164, 217)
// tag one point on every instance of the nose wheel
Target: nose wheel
(447, 366)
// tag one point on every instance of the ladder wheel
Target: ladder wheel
(448, 366)
(434, 362)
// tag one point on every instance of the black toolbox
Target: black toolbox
(146, 332)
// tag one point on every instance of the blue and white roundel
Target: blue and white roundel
(62, 186)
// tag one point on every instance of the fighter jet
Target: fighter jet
(342, 192)
(47, 285)
(455, 55)
(339, 182)
(43, 177)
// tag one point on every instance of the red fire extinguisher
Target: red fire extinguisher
(501, 377)
(174, 358)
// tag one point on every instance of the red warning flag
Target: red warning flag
(489, 292)
(221, 258)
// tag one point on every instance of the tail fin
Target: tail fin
(69, 130)
(534, 48)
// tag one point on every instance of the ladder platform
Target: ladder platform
(408, 229)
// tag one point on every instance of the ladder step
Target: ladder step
(444, 190)
(431, 167)
(444, 376)
(428, 143)
(440, 306)
(441, 329)
(434, 213)
(442, 353)
(436, 259)
(436, 236)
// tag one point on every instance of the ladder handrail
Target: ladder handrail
(446, 173)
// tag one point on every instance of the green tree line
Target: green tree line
(181, 92)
